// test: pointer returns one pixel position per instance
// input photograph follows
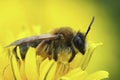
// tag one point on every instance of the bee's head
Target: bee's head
(79, 42)
(79, 39)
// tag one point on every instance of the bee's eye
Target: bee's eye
(79, 42)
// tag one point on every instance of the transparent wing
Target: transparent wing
(33, 38)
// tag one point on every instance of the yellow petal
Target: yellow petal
(22, 71)
(73, 71)
(18, 54)
(88, 55)
(64, 78)
(22, 65)
(7, 73)
(45, 66)
(78, 76)
(75, 74)
(30, 65)
(76, 61)
(51, 73)
(15, 68)
(97, 75)
(62, 69)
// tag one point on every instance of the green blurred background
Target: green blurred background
(16, 15)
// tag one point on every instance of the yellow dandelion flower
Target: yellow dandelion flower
(35, 68)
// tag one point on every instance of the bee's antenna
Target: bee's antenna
(89, 26)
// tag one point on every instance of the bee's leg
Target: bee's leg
(23, 50)
(73, 54)
(49, 47)
(55, 55)
(15, 52)
(49, 51)
(41, 50)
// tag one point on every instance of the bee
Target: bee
(61, 39)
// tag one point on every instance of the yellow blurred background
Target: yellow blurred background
(18, 15)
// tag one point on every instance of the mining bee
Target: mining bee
(61, 39)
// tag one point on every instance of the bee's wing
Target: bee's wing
(33, 38)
